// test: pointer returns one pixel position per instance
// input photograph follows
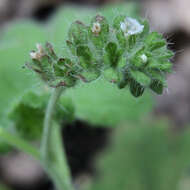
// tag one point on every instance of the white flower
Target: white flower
(34, 55)
(131, 26)
(144, 58)
(96, 28)
(37, 54)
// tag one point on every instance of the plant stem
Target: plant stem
(58, 156)
(52, 151)
(48, 121)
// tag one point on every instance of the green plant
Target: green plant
(111, 53)
(147, 155)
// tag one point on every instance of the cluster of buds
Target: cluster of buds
(125, 52)
(53, 70)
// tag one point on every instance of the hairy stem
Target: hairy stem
(52, 150)
(58, 156)
(48, 121)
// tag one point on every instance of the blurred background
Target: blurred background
(169, 17)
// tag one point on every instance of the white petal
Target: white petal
(123, 26)
(33, 55)
(132, 26)
(96, 28)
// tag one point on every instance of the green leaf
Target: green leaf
(111, 75)
(165, 66)
(23, 113)
(136, 89)
(121, 39)
(78, 33)
(141, 78)
(163, 53)
(112, 54)
(117, 21)
(14, 80)
(143, 156)
(71, 46)
(125, 78)
(85, 55)
(63, 67)
(27, 114)
(157, 44)
(131, 41)
(102, 103)
(152, 37)
(119, 34)
(157, 86)
(146, 29)
(136, 59)
(89, 75)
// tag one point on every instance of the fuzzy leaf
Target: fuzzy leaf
(141, 78)
(85, 55)
(113, 54)
(14, 80)
(102, 103)
(27, 115)
(136, 89)
(157, 86)
(78, 33)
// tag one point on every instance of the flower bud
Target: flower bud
(144, 58)
(99, 31)
(96, 28)
(78, 33)
(37, 55)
